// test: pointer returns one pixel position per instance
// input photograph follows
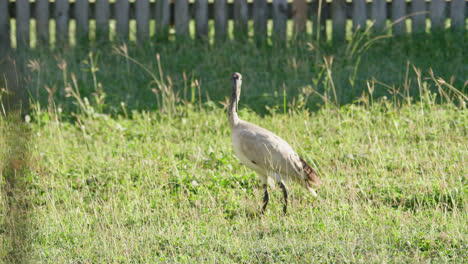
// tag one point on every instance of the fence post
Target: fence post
(82, 20)
(182, 17)
(142, 13)
(22, 24)
(418, 19)
(398, 16)
(280, 18)
(240, 18)
(4, 29)
(121, 17)
(162, 17)
(457, 11)
(259, 16)
(201, 19)
(220, 8)
(379, 14)
(42, 22)
(359, 14)
(102, 13)
(61, 22)
(339, 20)
(437, 15)
(299, 15)
(318, 19)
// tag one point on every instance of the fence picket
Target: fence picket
(437, 14)
(142, 12)
(299, 11)
(162, 16)
(379, 14)
(61, 22)
(418, 18)
(318, 19)
(220, 19)
(102, 13)
(201, 18)
(457, 11)
(4, 28)
(359, 14)
(22, 23)
(240, 17)
(82, 19)
(42, 21)
(339, 20)
(399, 16)
(280, 18)
(182, 17)
(121, 17)
(259, 17)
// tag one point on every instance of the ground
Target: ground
(122, 166)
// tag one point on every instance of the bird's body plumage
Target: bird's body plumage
(266, 153)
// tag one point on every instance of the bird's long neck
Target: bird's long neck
(233, 104)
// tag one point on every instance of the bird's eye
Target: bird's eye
(236, 76)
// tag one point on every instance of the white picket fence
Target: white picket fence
(175, 16)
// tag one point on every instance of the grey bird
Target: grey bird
(266, 153)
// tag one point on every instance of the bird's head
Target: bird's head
(236, 80)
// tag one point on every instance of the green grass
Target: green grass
(155, 188)
(155, 179)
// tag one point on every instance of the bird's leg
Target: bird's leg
(266, 198)
(285, 193)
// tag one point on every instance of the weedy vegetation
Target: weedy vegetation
(124, 155)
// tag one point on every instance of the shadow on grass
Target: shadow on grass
(409, 200)
(447, 201)
(197, 73)
(14, 163)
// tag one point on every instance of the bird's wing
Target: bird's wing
(267, 150)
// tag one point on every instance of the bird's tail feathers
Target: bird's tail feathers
(311, 176)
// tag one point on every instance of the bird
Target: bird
(269, 155)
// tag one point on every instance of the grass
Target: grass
(120, 164)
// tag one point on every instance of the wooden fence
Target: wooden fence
(175, 16)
